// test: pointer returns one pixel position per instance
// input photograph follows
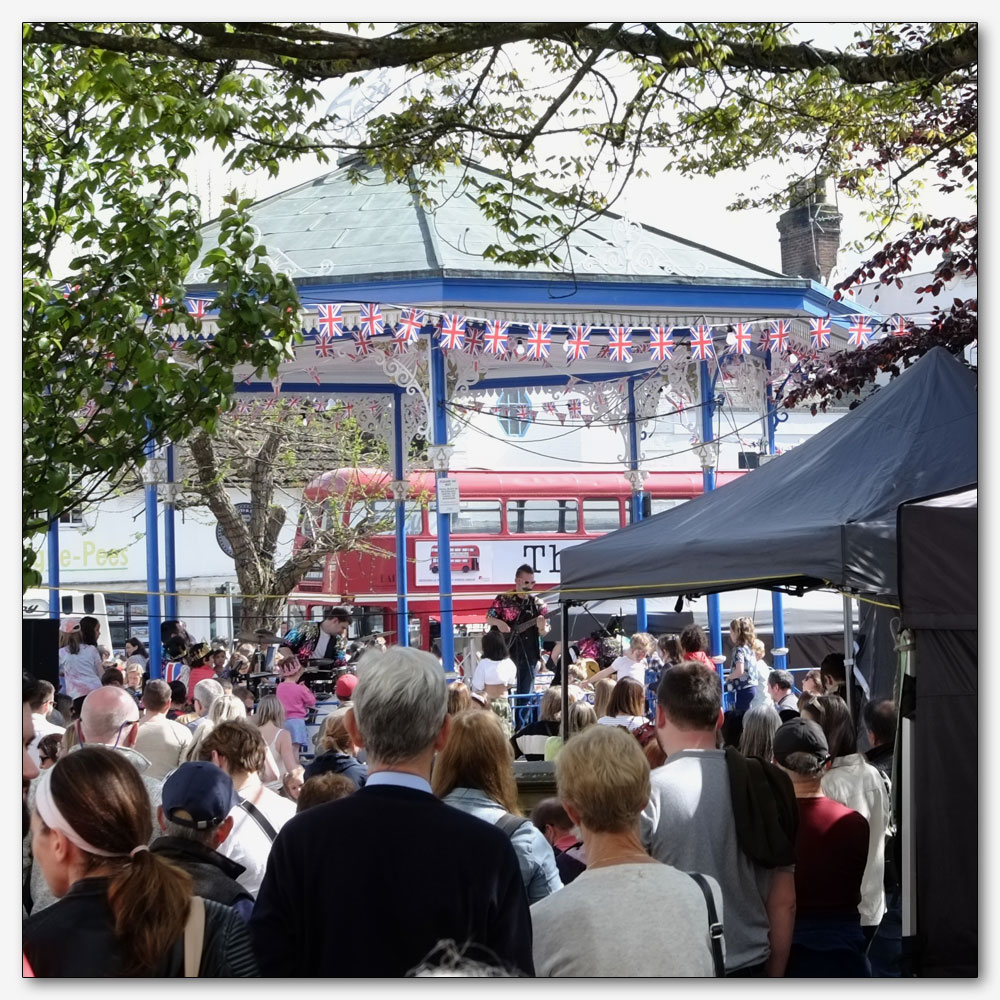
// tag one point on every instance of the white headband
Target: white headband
(54, 819)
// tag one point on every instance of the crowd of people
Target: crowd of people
(183, 826)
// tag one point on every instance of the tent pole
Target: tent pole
(708, 477)
(635, 478)
(53, 553)
(777, 600)
(564, 660)
(400, 488)
(170, 545)
(439, 436)
(848, 651)
(152, 563)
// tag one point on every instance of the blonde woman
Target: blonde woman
(603, 691)
(225, 708)
(282, 755)
(632, 663)
(743, 669)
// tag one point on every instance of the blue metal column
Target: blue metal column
(402, 607)
(53, 547)
(708, 476)
(439, 436)
(153, 574)
(633, 464)
(169, 546)
(777, 599)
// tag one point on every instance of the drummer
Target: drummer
(318, 640)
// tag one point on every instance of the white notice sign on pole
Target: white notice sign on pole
(448, 501)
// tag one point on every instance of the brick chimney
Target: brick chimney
(810, 231)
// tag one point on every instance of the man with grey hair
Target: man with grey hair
(161, 740)
(205, 692)
(419, 872)
(779, 687)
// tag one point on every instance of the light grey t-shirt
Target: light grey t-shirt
(688, 823)
(625, 920)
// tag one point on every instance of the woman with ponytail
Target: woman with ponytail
(122, 911)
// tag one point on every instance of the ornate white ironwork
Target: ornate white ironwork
(631, 251)
(400, 489)
(749, 381)
(440, 456)
(462, 372)
(409, 371)
(636, 477)
(708, 454)
(168, 493)
(154, 472)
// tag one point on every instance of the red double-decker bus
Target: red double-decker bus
(506, 519)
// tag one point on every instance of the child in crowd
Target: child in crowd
(632, 663)
(296, 699)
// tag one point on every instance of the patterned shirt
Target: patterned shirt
(510, 608)
(303, 639)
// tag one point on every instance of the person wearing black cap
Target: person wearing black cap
(195, 819)
(831, 850)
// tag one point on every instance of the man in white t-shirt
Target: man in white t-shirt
(239, 749)
(42, 700)
(159, 739)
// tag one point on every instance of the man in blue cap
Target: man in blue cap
(194, 817)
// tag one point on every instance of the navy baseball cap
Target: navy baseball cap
(198, 794)
(800, 736)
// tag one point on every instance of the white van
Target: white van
(72, 604)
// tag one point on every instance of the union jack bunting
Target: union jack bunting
(777, 335)
(242, 408)
(578, 343)
(819, 332)
(701, 343)
(620, 343)
(314, 373)
(496, 337)
(411, 322)
(860, 331)
(562, 417)
(373, 407)
(370, 319)
(324, 345)
(89, 409)
(661, 342)
(197, 308)
(899, 328)
(69, 289)
(452, 333)
(575, 408)
(348, 409)
(276, 386)
(270, 402)
(159, 304)
(522, 413)
(538, 342)
(549, 407)
(744, 338)
(330, 320)
(474, 341)
(320, 405)
(362, 345)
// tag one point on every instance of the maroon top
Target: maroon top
(830, 855)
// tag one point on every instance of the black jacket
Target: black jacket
(214, 874)
(411, 871)
(75, 937)
(339, 763)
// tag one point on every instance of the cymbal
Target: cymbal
(263, 673)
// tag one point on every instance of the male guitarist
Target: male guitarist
(522, 618)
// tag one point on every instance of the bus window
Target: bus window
(658, 505)
(601, 515)
(524, 516)
(383, 514)
(477, 517)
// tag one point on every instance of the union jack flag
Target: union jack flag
(538, 342)
(198, 307)
(453, 333)
(362, 346)
(373, 407)
(276, 386)
(522, 413)
(474, 341)
(242, 408)
(270, 402)
(159, 304)
(370, 320)
(324, 345)
(744, 338)
(777, 336)
(89, 409)
(578, 343)
(69, 289)
(410, 323)
(819, 331)
(549, 407)
(701, 343)
(860, 331)
(319, 405)
(348, 410)
(496, 337)
(620, 343)
(900, 328)
(661, 342)
(314, 372)
(575, 407)
(330, 321)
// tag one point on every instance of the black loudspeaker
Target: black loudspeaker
(40, 649)
(748, 460)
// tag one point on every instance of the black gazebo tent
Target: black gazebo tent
(939, 788)
(822, 514)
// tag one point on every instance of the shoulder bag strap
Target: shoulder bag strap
(260, 818)
(194, 937)
(714, 926)
(510, 824)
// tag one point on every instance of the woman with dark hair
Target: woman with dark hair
(80, 662)
(694, 644)
(134, 647)
(628, 702)
(123, 910)
(855, 783)
(474, 773)
(495, 675)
